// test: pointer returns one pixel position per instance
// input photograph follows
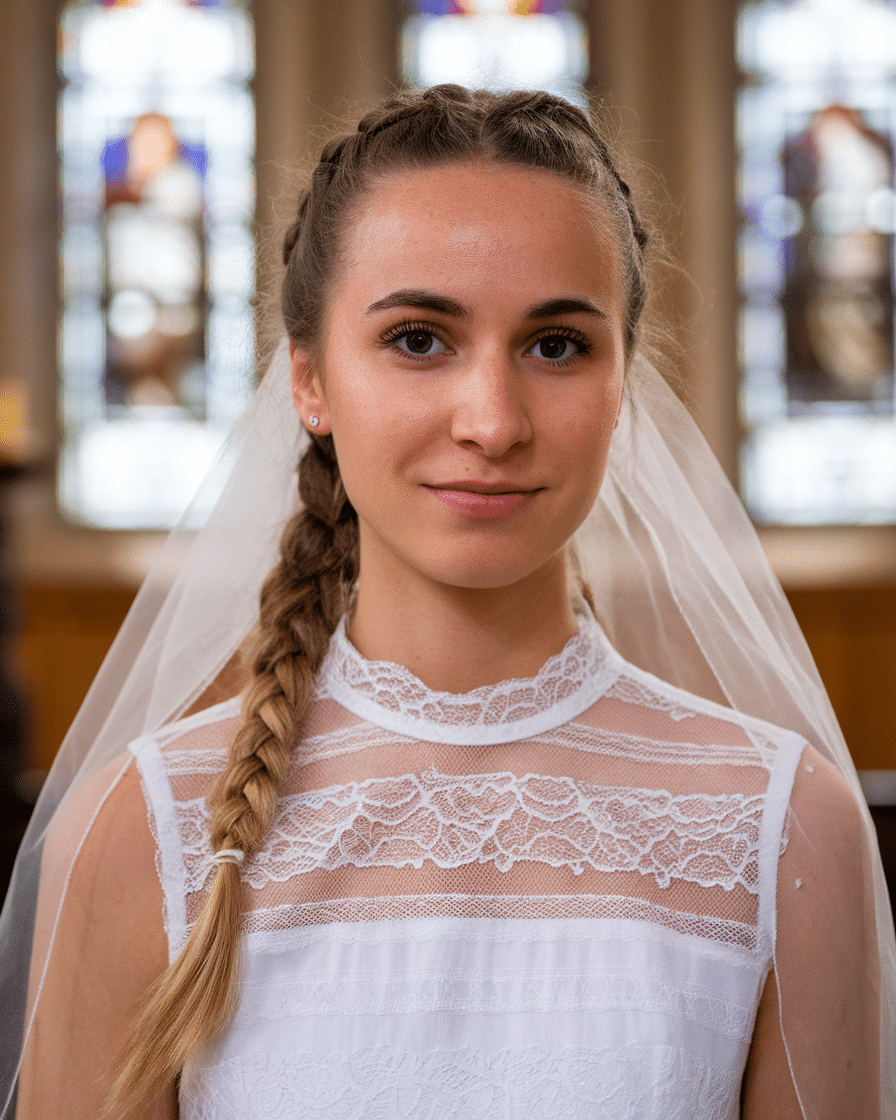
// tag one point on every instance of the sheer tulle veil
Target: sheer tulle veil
(678, 575)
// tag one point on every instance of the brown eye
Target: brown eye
(554, 347)
(415, 342)
(419, 342)
(560, 349)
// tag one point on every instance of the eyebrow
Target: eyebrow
(426, 301)
(565, 305)
(432, 301)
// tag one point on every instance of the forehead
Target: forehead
(482, 226)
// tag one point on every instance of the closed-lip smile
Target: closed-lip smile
(472, 486)
(472, 498)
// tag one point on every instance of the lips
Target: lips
(475, 486)
(483, 499)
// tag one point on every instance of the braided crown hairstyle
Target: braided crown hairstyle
(307, 592)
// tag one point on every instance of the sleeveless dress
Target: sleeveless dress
(552, 897)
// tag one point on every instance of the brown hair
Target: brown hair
(307, 592)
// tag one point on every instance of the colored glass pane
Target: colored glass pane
(156, 138)
(815, 129)
(497, 44)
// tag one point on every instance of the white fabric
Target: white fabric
(627, 986)
(680, 582)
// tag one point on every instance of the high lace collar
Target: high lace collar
(391, 697)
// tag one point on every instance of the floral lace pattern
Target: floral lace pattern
(629, 1082)
(457, 820)
(502, 819)
(391, 696)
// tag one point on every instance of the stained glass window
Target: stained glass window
(816, 120)
(156, 137)
(497, 44)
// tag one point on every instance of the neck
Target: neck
(455, 639)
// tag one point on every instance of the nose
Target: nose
(492, 412)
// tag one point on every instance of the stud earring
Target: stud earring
(313, 421)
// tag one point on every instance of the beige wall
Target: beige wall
(28, 207)
(670, 69)
(319, 65)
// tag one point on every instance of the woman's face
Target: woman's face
(471, 371)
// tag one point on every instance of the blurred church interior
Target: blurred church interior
(98, 352)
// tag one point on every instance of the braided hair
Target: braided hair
(307, 592)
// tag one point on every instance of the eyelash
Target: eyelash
(401, 329)
(583, 346)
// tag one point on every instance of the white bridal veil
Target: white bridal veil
(678, 575)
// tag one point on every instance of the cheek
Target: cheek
(375, 443)
(591, 425)
(585, 446)
(379, 421)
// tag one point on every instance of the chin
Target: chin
(491, 575)
(449, 560)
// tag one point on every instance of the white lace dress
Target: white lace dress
(548, 898)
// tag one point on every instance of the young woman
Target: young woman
(448, 854)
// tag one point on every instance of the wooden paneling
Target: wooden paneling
(852, 635)
(64, 635)
(66, 631)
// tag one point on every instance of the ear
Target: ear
(307, 392)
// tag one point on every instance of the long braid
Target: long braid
(302, 600)
(308, 591)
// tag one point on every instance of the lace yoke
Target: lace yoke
(551, 897)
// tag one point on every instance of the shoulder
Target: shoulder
(99, 941)
(100, 850)
(102, 844)
(821, 789)
(829, 833)
(99, 938)
(825, 891)
(827, 962)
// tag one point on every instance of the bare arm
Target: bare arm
(110, 946)
(823, 996)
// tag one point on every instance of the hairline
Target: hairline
(598, 207)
